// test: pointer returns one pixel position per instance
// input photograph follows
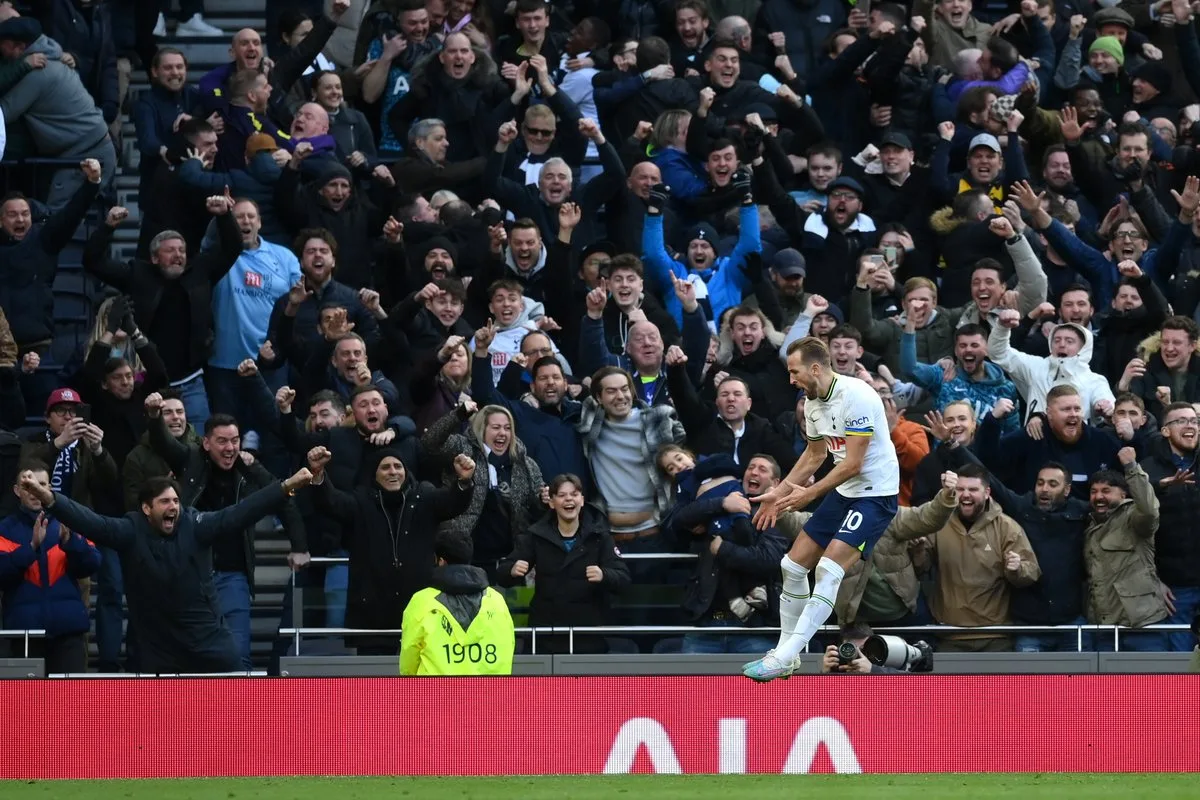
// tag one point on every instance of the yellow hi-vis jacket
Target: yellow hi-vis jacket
(433, 642)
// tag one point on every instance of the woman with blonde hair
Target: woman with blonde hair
(122, 343)
(507, 487)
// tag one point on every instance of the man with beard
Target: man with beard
(982, 555)
(1034, 376)
(215, 476)
(737, 566)
(1171, 469)
(620, 436)
(748, 350)
(159, 111)
(972, 378)
(352, 445)
(1170, 371)
(295, 320)
(333, 203)
(547, 425)
(727, 426)
(1054, 522)
(691, 37)
(172, 295)
(555, 185)
(1066, 438)
(1059, 183)
(989, 168)
(830, 240)
(165, 554)
(952, 29)
(1119, 555)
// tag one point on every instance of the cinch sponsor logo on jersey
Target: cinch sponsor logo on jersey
(858, 422)
(254, 280)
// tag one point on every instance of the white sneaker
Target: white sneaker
(196, 26)
(160, 27)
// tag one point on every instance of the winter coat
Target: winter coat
(1177, 543)
(1122, 335)
(659, 427)
(911, 441)
(1123, 585)
(193, 469)
(1157, 374)
(807, 26)
(1056, 537)
(708, 433)
(256, 181)
(94, 475)
(746, 558)
(145, 283)
(1016, 458)
(562, 594)
(168, 579)
(771, 389)
(28, 267)
(1034, 376)
(933, 342)
(549, 436)
(154, 115)
(973, 587)
(89, 38)
(725, 282)
(524, 491)
(982, 394)
(891, 557)
(391, 549)
(40, 586)
(927, 481)
(467, 108)
(144, 463)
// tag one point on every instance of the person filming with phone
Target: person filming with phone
(81, 468)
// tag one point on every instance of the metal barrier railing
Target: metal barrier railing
(22, 634)
(632, 630)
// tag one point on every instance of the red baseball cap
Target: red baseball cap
(60, 396)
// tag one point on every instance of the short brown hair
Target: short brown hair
(846, 331)
(505, 285)
(1062, 390)
(627, 261)
(607, 372)
(912, 284)
(1130, 397)
(1178, 405)
(811, 349)
(1185, 324)
(324, 234)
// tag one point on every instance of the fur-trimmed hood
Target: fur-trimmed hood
(1153, 343)
(944, 222)
(725, 348)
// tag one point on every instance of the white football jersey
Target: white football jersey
(852, 408)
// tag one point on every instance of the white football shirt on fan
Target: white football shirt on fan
(852, 408)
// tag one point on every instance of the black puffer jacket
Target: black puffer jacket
(564, 596)
(1177, 543)
(390, 543)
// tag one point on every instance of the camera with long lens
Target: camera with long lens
(846, 653)
(894, 652)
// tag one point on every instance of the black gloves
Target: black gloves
(127, 323)
(741, 182)
(752, 267)
(660, 194)
(116, 314)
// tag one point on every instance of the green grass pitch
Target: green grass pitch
(642, 787)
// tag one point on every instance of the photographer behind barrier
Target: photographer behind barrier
(863, 652)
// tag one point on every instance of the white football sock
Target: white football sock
(793, 598)
(816, 611)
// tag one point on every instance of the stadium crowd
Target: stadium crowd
(570, 243)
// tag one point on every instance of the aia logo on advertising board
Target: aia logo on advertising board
(647, 735)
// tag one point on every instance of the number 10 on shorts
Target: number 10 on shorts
(852, 522)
